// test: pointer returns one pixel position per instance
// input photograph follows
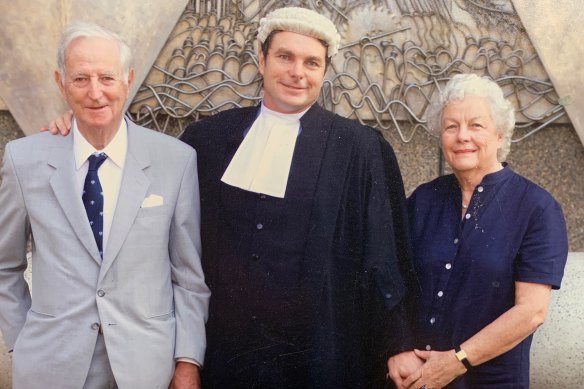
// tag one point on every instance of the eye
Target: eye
(107, 79)
(80, 81)
(285, 57)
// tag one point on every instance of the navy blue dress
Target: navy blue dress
(513, 231)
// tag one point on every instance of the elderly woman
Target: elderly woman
(489, 245)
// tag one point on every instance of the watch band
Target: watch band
(461, 356)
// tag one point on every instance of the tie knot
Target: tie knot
(95, 161)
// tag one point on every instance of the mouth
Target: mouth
(464, 151)
(96, 108)
(294, 87)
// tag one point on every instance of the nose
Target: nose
(297, 69)
(463, 133)
(94, 88)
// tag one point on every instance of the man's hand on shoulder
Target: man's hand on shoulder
(186, 376)
(61, 125)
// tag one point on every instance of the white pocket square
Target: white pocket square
(152, 201)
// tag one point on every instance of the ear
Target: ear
(131, 76)
(500, 139)
(262, 62)
(60, 83)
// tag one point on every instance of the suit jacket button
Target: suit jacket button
(95, 326)
(100, 293)
(255, 257)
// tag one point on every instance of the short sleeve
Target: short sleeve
(544, 249)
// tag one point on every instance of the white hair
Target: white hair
(462, 85)
(89, 30)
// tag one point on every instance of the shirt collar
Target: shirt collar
(115, 150)
(285, 116)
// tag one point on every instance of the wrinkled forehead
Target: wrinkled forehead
(93, 51)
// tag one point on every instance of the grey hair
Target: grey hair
(89, 30)
(461, 85)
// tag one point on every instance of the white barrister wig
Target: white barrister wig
(301, 21)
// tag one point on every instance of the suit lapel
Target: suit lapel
(64, 185)
(133, 189)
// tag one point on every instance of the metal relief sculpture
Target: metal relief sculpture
(395, 54)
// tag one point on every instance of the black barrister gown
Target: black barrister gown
(307, 291)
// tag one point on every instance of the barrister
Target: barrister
(303, 230)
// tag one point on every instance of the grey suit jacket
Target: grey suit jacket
(148, 293)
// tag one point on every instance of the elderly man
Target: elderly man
(119, 298)
(303, 228)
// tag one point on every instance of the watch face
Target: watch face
(461, 355)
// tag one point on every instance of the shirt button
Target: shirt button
(259, 226)
(255, 257)
(440, 293)
(455, 240)
(100, 293)
(432, 320)
(95, 326)
(388, 296)
(467, 216)
(480, 189)
(428, 347)
(448, 266)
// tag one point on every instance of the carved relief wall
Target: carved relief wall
(395, 54)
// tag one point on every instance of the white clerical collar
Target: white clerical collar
(115, 149)
(262, 162)
(284, 116)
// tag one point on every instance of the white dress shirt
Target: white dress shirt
(109, 173)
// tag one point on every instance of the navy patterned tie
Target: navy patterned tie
(93, 199)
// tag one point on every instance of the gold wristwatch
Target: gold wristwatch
(461, 356)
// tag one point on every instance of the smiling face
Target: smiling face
(93, 84)
(293, 71)
(469, 137)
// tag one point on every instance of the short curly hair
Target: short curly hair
(462, 85)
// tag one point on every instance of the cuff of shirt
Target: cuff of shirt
(188, 360)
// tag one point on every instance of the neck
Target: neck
(99, 138)
(468, 180)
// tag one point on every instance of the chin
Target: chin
(463, 167)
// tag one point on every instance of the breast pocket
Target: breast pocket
(152, 211)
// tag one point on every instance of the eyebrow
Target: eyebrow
(471, 119)
(86, 74)
(315, 58)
